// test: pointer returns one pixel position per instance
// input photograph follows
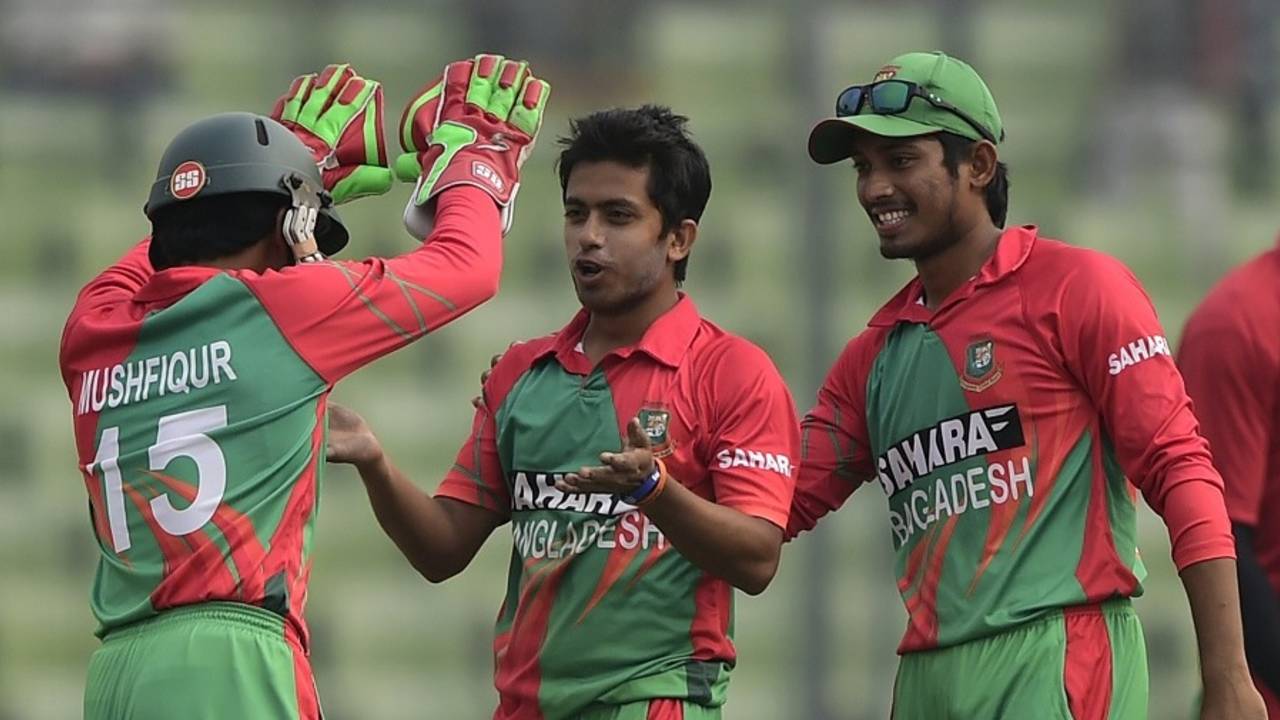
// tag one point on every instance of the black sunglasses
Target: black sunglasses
(892, 97)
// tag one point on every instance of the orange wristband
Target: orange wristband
(658, 488)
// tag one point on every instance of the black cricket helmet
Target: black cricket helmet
(240, 152)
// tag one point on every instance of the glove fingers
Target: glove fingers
(287, 106)
(528, 111)
(406, 167)
(341, 123)
(419, 116)
(325, 88)
(380, 140)
(349, 183)
(360, 141)
(510, 81)
(356, 92)
(484, 78)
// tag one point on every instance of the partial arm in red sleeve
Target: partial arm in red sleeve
(1226, 370)
(117, 283)
(123, 278)
(1226, 367)
(738, 536)
(340, 316)
(1113, 343)
(834, 454)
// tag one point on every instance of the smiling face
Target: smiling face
(913, 201)
(618, 254)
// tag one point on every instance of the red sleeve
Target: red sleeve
(1231, 379)
(1113, 344)
(754, 433)
(117, 283)
(476, 477)
(340, 316)
(835, 455)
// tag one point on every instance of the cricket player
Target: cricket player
(199, 367)
(1230, 357)
(1000, 400)
(643, 456)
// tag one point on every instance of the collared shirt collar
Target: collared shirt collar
(1012, 250)
(667, 340)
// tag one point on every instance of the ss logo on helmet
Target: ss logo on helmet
(187, 180)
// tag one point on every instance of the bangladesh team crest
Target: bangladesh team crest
(654, 421)
(980, 368)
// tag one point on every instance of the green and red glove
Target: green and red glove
(475, 125)
(338, 115)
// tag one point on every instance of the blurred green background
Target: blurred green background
(1141, 128)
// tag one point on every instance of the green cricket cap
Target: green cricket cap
(947, 78)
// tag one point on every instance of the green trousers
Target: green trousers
(211, 661)
(1079, 663)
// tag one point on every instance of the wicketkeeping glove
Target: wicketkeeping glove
(475, 125)
(338, 114)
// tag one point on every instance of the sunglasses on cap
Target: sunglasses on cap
(892, 97)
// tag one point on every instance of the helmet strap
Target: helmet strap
(299, 227)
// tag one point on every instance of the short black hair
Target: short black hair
(211, 227)
(653, 137)
(956, 148)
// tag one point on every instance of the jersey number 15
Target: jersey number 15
(178, 435)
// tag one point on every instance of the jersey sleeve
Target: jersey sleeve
(476, 477)
(119, 282)
(835, 456)
(1113, 344)
(340, 316)
(754, 434)
(1226, 370)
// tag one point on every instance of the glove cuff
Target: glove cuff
(477, 172)
(419, 220)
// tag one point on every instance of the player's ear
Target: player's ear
(982, 164)
(681, 239)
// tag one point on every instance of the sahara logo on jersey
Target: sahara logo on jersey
(754, 459)
(950, 441)
(617, 523)
(533, 490)
(1144, 348)
(920, 496)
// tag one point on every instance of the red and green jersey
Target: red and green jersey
(1001, 428)
(199, 402)
(600, 608)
